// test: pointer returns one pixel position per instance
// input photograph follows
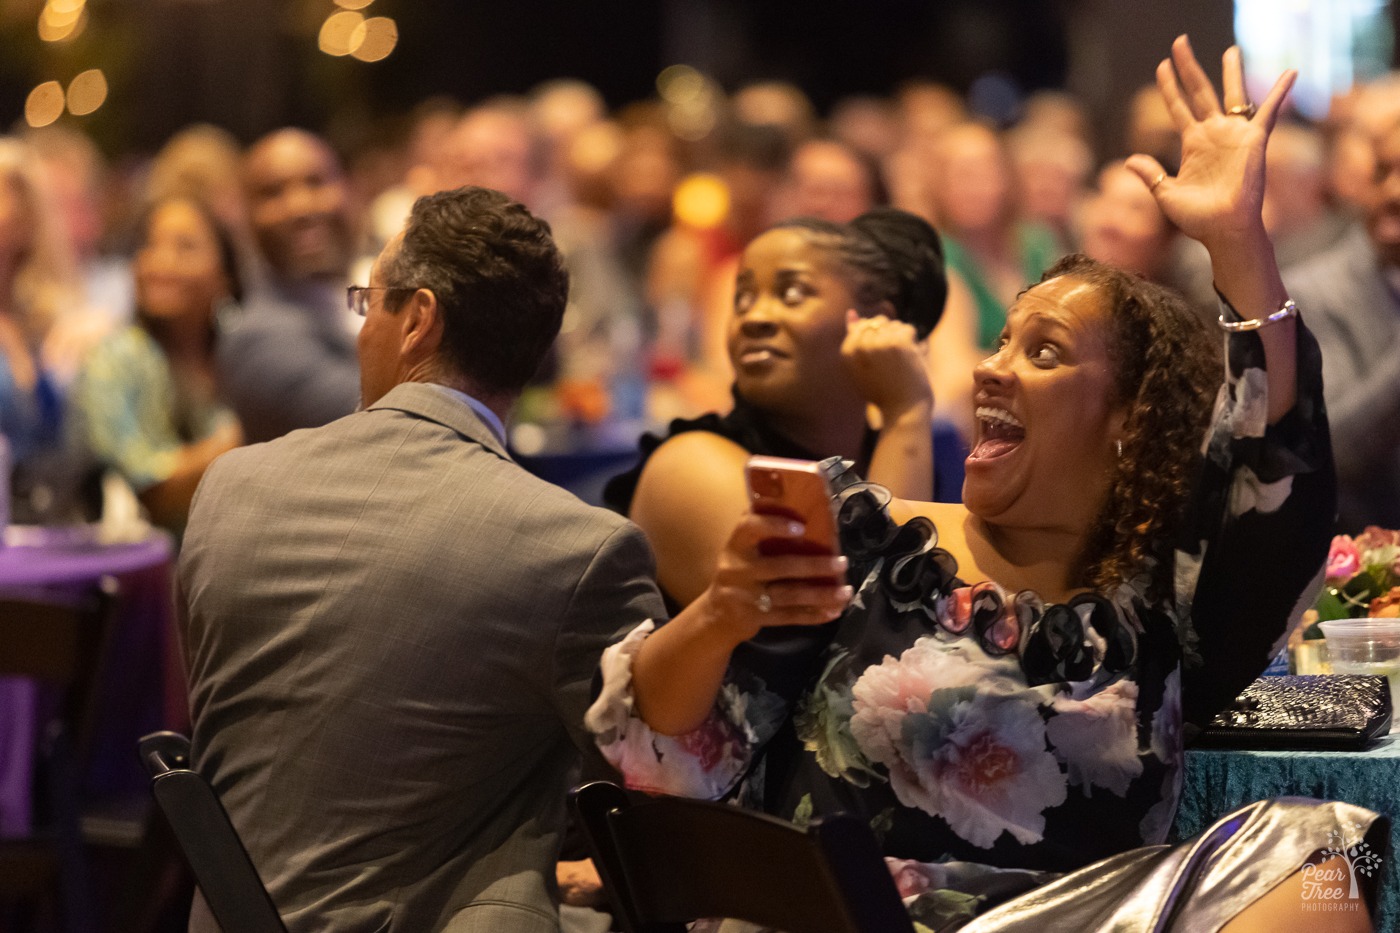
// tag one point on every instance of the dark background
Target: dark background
(253, 65)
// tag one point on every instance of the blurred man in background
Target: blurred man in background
(287, 359)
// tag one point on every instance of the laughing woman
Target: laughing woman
(1004, 698)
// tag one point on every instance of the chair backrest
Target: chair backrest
(60, 639)
(666, 861)
(225, 875)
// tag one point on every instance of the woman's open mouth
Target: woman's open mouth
(1001, 432)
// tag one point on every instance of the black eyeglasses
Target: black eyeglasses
(357, 298)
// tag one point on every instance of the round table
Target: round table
(142, 689)
(37, 557)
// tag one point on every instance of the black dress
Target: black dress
(979, 725)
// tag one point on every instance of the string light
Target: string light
(44, 104)
(338, 31)
(87, 92)
(57, 24)
(374, 39)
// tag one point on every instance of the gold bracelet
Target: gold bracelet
(1289, 309)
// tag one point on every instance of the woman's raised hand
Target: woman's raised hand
(1219, 191)
(885, 360)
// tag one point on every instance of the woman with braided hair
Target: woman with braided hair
(827, 324)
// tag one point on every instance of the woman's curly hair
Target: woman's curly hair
(1167, 372)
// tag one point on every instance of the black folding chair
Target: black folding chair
(226, 876)
(59, 642)
(666, 861)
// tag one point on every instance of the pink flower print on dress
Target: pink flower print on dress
(960, 740)
(1097, 737)
(709, 743)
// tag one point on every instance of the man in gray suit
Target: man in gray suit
(1351, 297)
(391, 628)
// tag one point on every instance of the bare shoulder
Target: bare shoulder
(689, 497)
(954, 531)
(940, 513)
(689, 467)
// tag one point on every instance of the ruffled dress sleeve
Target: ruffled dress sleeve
(1258, 525)
(761, 687)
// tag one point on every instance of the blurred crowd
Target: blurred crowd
(155, 312)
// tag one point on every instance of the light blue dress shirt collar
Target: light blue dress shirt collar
(487, 415)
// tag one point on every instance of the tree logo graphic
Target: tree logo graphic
(1335, 887)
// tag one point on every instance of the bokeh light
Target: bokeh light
(678, 83)
(692, 101)
(56, 25)
(87, 92)
(44, 104)
(528, 439)
(353, 4)
(337, 32)
(701, 201)
(595, 147)
(374, 39)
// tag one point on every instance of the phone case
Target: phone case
(795, 489)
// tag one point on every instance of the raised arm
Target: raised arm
(1217, 196)
(886, 361)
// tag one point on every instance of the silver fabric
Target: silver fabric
(1196, 886)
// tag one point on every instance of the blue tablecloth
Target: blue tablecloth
(1220, 781)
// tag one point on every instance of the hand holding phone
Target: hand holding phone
(794, 489)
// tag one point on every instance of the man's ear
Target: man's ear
(420, 326)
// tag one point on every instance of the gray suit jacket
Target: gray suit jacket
(391, 631)
(1355, 314)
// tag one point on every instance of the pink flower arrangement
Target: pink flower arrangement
(1343, 560)
(1363, 576)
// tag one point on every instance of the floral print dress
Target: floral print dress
(973, 726)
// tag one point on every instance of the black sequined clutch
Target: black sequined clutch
(1313, 712)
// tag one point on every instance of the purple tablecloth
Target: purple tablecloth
(142, 687)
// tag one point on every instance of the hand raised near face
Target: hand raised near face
(886, 362)
(1219, 191)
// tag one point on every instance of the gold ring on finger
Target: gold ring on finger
(1246, 110)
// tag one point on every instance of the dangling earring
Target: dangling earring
(1118, 446)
